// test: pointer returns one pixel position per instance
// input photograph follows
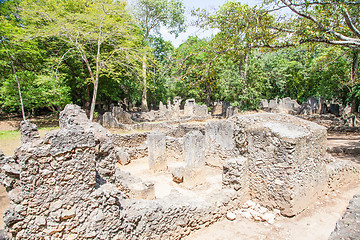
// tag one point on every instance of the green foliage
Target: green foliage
(152, 14)
(38, 91)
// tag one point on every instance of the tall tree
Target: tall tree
(152, 15)
(102, 33)
(331, 22)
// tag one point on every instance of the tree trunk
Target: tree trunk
(17, 81)
(354, 79)
(96, 82)
(144, 105)
(93, 101)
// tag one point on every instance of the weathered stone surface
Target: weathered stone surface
(313, 105)
(178, 174)
(134, 188)
(189, 107)
(157, 151)
(219, 141)
(121, 116)
(108, 120)
(194, 149)
(220, 108)
(29, 131)
(348, 227)
(68, 190)
(201, 110)
(235, 174)
(264, 104)
(231, 111)
(122, 157)
(9, 172)
(286, 159)
(193, 176)
(162, 107)
(285, 105)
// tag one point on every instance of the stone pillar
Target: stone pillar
(194, 150)
(189, 107)
(162, 107)
(157, 151)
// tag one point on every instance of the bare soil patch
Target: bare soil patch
(315, 223)
(344, 140)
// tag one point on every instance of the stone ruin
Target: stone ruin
(118, 118)
(73, 183)
(313, 105)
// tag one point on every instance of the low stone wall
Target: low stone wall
(342, 172)
(130, 140)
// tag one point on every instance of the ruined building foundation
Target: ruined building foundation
(73, 183)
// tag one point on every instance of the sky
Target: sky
(210, 5)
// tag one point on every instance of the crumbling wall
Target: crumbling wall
(220, 142)
(286, 160)
(68, 190)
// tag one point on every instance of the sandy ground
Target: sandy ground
(314, 223)
(344, 140)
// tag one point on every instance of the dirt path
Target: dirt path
(315, 223)
(344, 140)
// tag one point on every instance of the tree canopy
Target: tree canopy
(103, 52)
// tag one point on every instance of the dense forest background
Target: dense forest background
(95, 53)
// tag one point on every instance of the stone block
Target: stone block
(264, 104)
(121, 116)
(108, 120)
(189, 107)
(235, 174)
(273, 104)
(348, 227)
(286, 155)
(29, 132)
(193, 177)
(201, 110)
(219, 134)
(157, 151)
(162, 107)
(194, 149)
(178, 174)
(122, 157)
(231, 111)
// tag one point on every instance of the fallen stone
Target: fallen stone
(231, 216)
(178, 174)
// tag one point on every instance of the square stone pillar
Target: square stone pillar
(157, 151)
(194, 150)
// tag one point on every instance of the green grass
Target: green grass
(9, 135)
(10, 139)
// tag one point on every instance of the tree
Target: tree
(23, 63)
(102, 33)
(330, 22)
(153, 14)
